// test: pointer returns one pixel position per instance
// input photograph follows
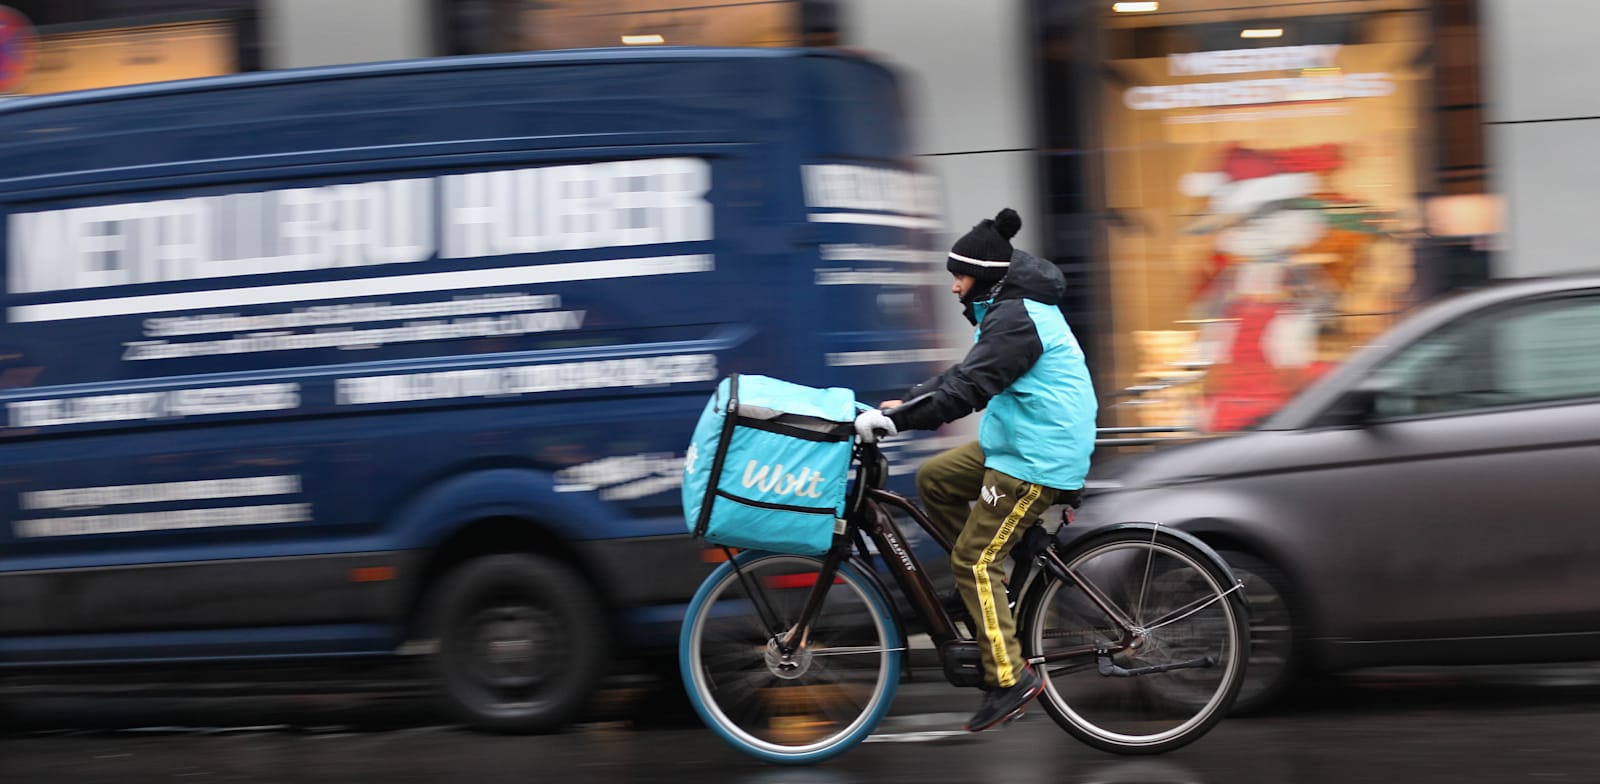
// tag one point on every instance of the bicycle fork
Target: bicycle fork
(962, 667)
(791, 640)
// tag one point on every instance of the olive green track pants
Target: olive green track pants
(984, 512)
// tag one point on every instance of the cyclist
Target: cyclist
(1033, 446)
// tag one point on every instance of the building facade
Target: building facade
(1240, 191)
(1251, 190)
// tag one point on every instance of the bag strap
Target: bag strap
(803, 427)
(729, 418)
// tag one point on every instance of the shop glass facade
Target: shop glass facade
(85, 44)
(1251, 183)
(483, 26)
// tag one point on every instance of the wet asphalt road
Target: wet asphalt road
(1460, 726)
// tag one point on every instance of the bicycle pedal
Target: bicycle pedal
(1016, 714)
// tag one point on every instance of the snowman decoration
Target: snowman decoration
(1262, 307)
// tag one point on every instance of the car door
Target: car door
(1465, 504)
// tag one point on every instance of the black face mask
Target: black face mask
(981, 290)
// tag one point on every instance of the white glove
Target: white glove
(872, 425)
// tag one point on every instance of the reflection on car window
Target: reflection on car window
(1532, 353)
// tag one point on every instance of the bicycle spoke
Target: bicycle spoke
(743, 695)
(1197, 605)
(756, 711)
(831, 678)
(853, 650)
(752, 658)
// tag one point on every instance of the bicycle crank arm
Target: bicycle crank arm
(1110, 669)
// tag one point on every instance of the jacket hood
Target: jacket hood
(1030, 277)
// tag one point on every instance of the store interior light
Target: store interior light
(643, 40)
(1135, 8)
(1261, 32)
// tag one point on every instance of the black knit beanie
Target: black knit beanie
(985, 251)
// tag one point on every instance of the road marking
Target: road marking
(915, 737)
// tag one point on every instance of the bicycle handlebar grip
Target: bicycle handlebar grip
(904, 405)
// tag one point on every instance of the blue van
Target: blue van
(391, 360)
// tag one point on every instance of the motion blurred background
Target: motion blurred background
(1158, 151)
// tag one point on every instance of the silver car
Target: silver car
(1434, 500)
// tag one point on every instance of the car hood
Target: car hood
(1198, 461)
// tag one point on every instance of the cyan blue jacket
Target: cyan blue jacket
(1026, 367)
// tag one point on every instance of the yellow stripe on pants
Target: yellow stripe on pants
(1004, 672)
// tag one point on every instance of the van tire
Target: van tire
(521, 643)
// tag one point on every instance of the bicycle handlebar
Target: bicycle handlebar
(904, 405)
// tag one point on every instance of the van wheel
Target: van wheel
(1274, 640)
(521, 640)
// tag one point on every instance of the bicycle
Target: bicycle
(1140, 632)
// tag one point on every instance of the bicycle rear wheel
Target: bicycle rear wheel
(1167, 681)
(812, 704)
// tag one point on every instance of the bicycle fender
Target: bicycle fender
(1031, 590)
(1193, 541)
(1187, 538)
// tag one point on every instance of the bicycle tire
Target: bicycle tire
(1195, 617)
(833, 692)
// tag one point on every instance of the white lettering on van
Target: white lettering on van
(507, 325)
(287, 230)
(143, 406)
(572, 207)
(159, 492)
(527, 379)
(623, 478)
(831, 186)
(478, 214)
(183, 519)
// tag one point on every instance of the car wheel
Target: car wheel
(1274, 640)
(521, 643)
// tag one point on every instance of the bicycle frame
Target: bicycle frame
(1091, 647)
(868, 514)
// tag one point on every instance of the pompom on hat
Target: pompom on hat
(985, 251)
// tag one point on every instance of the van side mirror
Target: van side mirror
(1358, 405)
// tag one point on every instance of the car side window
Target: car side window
(1542, 351)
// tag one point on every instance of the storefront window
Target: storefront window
(137, 54)
(480, 26)
(1264, 172)
(83, 44)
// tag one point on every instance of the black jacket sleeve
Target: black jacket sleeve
(1008, 345)
(929, 385)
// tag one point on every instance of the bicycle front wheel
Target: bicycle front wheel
(1165, 680)
(796, 708)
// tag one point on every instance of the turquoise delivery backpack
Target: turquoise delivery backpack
(769, 465)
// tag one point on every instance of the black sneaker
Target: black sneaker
(1005, 705)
